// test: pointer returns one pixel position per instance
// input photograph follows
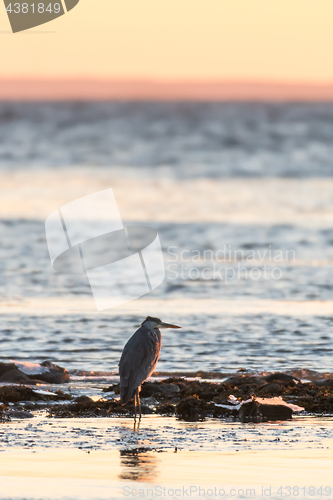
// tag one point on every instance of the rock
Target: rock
(9, 372)
(165, 409)
(192, 409)
(55, 375)
(83, 399)
(145, 410)
(270, 390)
(244, 380)
(112, 388)
(14, 394)
(19, 414)
(153, 388)
(3, 416)
(253, 411)
(14, 376)
(149, 401)
(30, 405)
(281, 377)
(5, 367)
(325, 383)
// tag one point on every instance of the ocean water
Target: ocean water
(242, 198)
(241, 195)
(190, 139)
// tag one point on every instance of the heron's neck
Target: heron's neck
(157, 332)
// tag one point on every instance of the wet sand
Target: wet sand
(246, 467)
(164, 434)
(104, 474)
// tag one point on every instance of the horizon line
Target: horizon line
(152, 89)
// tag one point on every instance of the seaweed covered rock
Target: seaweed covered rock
(316, 403)
(315, 399)
(245, 379)
(206, 391)
(84, 407)
(254, 411)
(166, 409)
(270, 390)
(281, 377)
(15, 394)
(325, 383)
(196, 399)
(192, 409)
(162, 389)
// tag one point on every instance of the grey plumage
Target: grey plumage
(139, 358)
(138, 361)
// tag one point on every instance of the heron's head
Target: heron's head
(152, 323)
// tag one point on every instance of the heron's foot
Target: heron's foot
(136, 424)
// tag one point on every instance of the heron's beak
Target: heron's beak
(167, 325)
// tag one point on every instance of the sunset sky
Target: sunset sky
(274, 40)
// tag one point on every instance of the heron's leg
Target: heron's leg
(135, 403)
(139, 402)
(134, 428)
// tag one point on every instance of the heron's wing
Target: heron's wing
(137, 362)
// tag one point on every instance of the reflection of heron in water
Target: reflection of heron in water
(139, 359)
(139, 464)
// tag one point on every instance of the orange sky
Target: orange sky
(274, 40)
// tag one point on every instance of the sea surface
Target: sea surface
(191, 140)
(241, 195)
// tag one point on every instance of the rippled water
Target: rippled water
(191, 139)
(181, 156)
(218, 342)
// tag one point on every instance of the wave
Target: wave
(303, 374)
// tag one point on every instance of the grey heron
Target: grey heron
(139, 359)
